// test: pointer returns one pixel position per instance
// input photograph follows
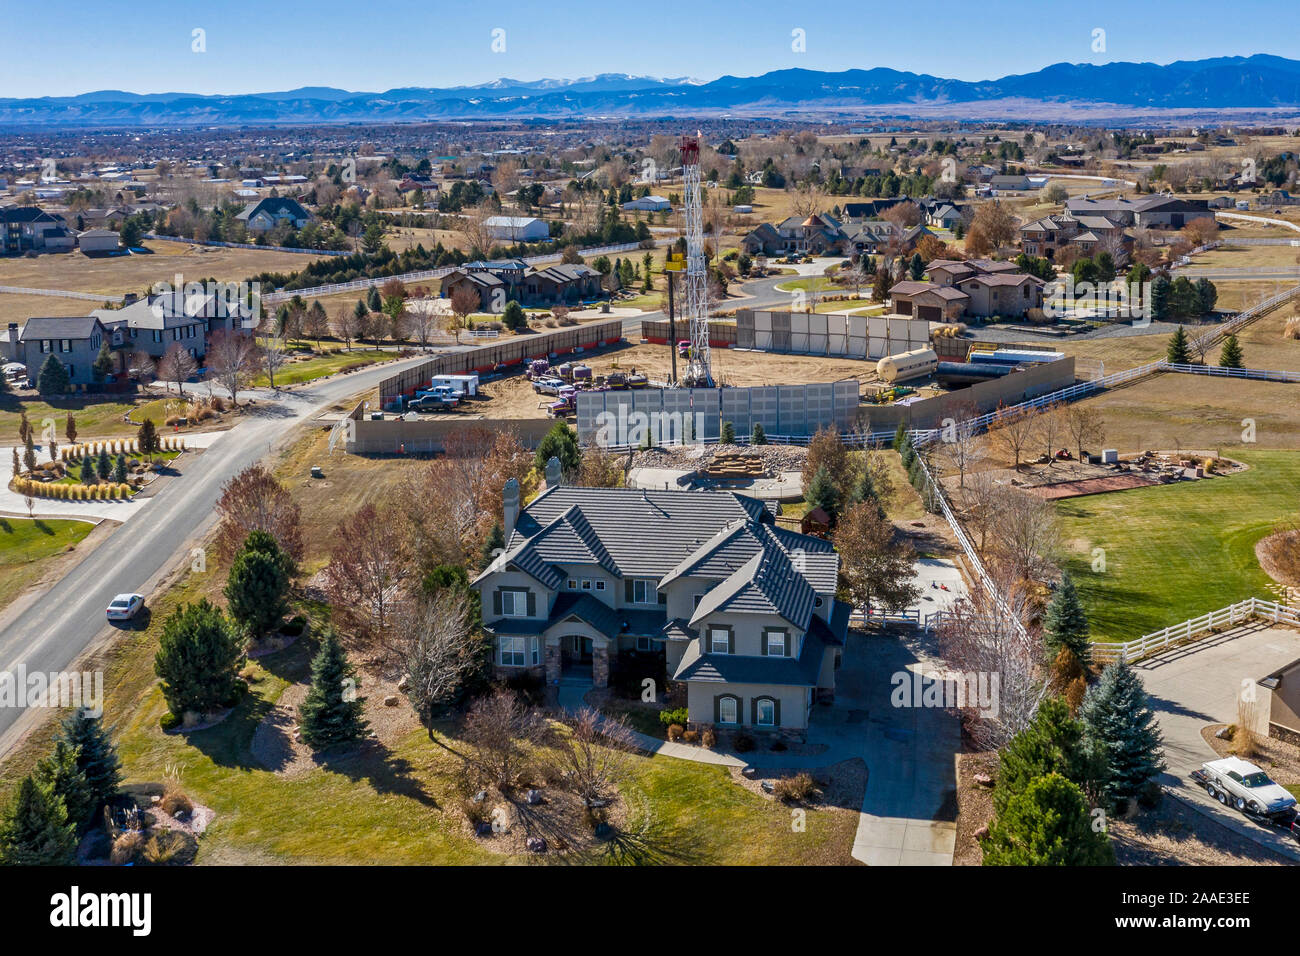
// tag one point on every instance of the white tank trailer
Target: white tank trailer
(907, 365)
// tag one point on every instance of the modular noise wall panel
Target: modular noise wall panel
(735, 409)
(837, 338)
(763, 330)
(845, 394)
(745, 329)
(857, 331)
(799, 327)
(764, 409)
(817, 326)
(781, 331)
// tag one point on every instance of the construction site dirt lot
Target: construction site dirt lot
(514, 397)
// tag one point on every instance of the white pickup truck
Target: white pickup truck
(1238, 783)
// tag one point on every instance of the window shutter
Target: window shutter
(776, 712)
(496, 602)
(787, 643)
(763, 643)
(532, 603)
(628, 593)
(753, 711)
(663, 598)
(717, 708)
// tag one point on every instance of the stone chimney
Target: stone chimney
(510, 505)
(553, 473)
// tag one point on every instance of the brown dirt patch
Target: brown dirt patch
(1092, 486)
(560, 819)
(1278, 759)
(974, 806)
(840, 786)
(1175, 834)
(1269, 549)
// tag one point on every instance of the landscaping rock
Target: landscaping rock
(536, 845)
(483, 829)
(981, 832)
(768, 787)
(480, 796)
(748, 773)
(390, 700)
(534, 797)
(983, 780)
(1223, 734)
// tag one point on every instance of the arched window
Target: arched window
(728, 710)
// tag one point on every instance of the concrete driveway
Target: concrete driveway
(1197, 685)
(909, 808)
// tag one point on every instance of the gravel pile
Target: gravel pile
(776, 458)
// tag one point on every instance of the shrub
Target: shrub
(164, 847)
(678, 715)
(475, 813)
(169, 721)
(175, 801)
(742, 742)
(795, 789)
(690, 736)
(675, 731)
(709, 738)
(127, 848)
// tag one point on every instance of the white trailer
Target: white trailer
(466, 385)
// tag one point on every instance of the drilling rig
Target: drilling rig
(699, 372)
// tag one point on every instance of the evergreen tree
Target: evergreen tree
(1054, 742)
(1230, 356)
(1066, 623)
(822, 492)
(70, 428)
(1046, 824)
(103, 465)
(1160, 292)
(865, 491)
(103, 365)
(59, 774)
(1207, 294)
(53, 377)
(147, 438)
(258, 585)
(1178, 352)
(196, 659)
(494, 545)
(96, 756)
(513, 318)
(374, 303)
(34, 829)
(916, 267)
(560, 442)
(758, 436)
(900, 437)
(728, 435)
(119, 469)
(87, 469)
(331, 713)
(1119, 723)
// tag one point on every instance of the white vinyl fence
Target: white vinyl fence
(1197, 627)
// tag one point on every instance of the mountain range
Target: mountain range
(1221, 83)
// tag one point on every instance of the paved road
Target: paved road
(51, 633)
(1198, 684)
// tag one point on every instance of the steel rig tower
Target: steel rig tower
(699, 372)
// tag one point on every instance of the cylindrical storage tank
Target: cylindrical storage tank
(967, 372)
(906, 365)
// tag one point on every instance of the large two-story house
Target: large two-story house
(743, 612)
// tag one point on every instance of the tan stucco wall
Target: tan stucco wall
(794, 713)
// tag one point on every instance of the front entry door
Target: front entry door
(581, 648)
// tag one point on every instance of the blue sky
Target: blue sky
(63, 47)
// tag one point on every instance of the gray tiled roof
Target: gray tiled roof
(767, 583)
(745, 669)
(644, 532)
(59, 327)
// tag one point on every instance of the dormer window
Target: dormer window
(719, 640)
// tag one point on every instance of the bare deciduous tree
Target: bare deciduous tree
(1026, 536)
(960, 442)
(593, 758)
(176, 365)
(345, 325)
(254, 501)
(500, 728)
(142, 366)
(1086, 425)
(464, 303)
(368, 564)
(273, 356)
(438, 651)
(1051, 430)
(232, 356)
(1012, 431)
(979, 639)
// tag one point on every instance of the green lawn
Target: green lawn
(399, 804)
(24, 546)
(97, 416)
(158, 410)
(320, 366)
(810, 283)
(1178, 551)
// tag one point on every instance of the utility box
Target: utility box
(1109, 456)
(317, 471)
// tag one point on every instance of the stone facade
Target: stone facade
(600, 663)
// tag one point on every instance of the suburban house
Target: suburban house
(977, 288)
(499, 281)
(1161, 211)
(517, 228)
(742, 612)
(1279, 197)
(650, 204)
(153, 324)
(998, 185)
(75, 341)
(31, 229)
(816, 235)
(265, 214)
(98, 241)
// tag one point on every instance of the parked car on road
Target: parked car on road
(125, 606)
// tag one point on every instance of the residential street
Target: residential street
(49, 634)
